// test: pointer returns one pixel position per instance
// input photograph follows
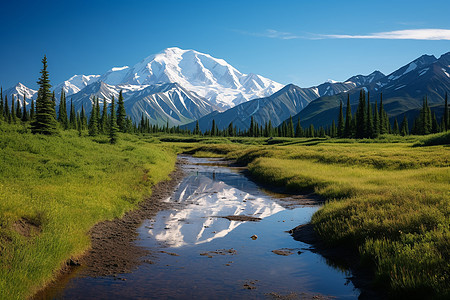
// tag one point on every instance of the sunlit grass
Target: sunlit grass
(65, 184)
(389, 199)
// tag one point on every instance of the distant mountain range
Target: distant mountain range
(403, 91)
(182, 86)
(287, 102)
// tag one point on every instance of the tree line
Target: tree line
(369, 121)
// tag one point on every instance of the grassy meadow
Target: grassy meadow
(389, 198)
(54, 189)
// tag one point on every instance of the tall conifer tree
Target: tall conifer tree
(113, 123)
(446, 115)
(348, 119)
(121, 114)
(44, 121)
(25, 116)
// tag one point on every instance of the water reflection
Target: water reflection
(209, 194)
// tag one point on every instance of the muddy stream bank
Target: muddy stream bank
(215, 235)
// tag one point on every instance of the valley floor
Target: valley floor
(387, 199)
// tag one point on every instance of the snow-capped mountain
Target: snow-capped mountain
(403, 90)
(288, 101)
(19, 91)
(211, 78)
(160, 103)
(75, 84)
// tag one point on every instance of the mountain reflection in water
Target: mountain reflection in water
(207, 197)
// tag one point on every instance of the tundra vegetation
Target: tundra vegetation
(387, 195)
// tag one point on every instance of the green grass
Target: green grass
(65, 184)
(388, 199)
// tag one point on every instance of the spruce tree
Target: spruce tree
(6, 109)
(348, 120)
(333, 130)
(376, 120)
(446, 115)
(2, 114)
(83, 118)
(361, 116)
(25, 116)
(434, 124)
(73, 116)
(104, 118)
(93, 124)
(230, 129)
(382, 116)
(396, 129)
(290, 129)
(197, 128)
(251, 130)
(369, 119)
(13, 110)
(62, 114)
(341, 125)
(298, 129)
(97, 115)
(213, 128)
(18, 109)
(32, 111)
(113, 123)
(404, 126)
(44, 121)
(121, 114)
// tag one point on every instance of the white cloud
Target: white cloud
(410, 34)
(273, 34)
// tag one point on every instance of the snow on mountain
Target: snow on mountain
(209, 77)
(160, 103)
(75, 84)
(18, 91)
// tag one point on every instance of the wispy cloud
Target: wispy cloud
(409, 34)
(273, 34)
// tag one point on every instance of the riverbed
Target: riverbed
(200, 250)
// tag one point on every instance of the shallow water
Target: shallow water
(205, 256)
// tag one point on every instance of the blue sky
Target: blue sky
(300, 42)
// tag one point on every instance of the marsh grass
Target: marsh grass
(65, 184)
(390, 200)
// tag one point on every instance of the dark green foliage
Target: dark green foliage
(348, 131)
(72, 117)
(44, 121)
(341, 124)
(213, 128)
(62, 114)
(361, 116)
(32, 110)
(13, 111)
(104, 118)
(396, 129)
(83, 118)
(434, 124)
(298, 129)
(93, 123)
(2, 115)
(113, 123)
(97, 115)
(121, 114)
(290, 128)
(25, 116)
(197, 128)
(404, 126)
(446, 115)
(376, 121)
(18, 109)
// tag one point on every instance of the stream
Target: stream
(199, 254)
